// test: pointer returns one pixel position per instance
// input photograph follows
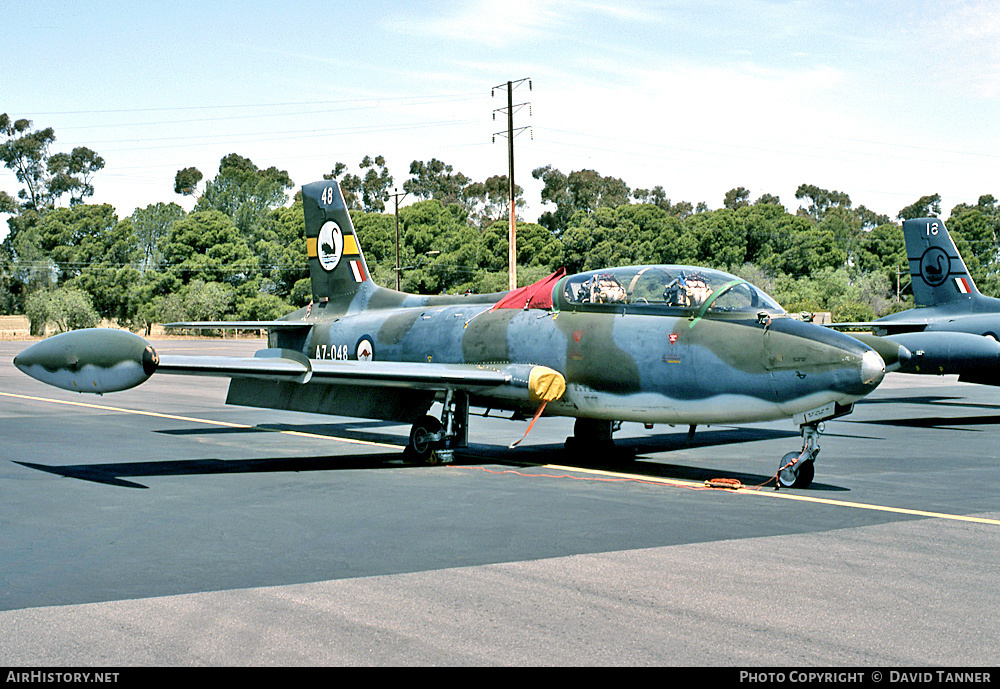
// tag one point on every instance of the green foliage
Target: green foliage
(208, 301)
(186, 181)
(244, 193)
(436, 180)
(151, 225)
(241, 252)
(582, 190)
(488, 202)
(68, 308)
(207, 246)
(925, 206)
(368, 193)
(261, 307)
(83, 236)
(46, 177)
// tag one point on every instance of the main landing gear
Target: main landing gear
(592, 438)
(433, 440)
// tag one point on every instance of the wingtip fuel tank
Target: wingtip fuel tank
(95, 360)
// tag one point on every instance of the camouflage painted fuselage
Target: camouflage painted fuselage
(625, 363)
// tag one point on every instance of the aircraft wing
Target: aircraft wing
(540, 382)
(103, 360)
(270, 364)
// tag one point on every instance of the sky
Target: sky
(886, 101)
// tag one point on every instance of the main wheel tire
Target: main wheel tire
(421, 445)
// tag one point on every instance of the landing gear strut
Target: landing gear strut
(590, 435)
(593, 436)
(797, 469)
(433, 440)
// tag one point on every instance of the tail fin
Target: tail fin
(337, 267)
(937, 271)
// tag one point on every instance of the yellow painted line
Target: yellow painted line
(629, 477)
(877, 508)
(191, 419)
(784, 495)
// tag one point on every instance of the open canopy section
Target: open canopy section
(663, 287)
(537, 295)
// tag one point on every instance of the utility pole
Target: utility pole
(510, 110)
(398, 198)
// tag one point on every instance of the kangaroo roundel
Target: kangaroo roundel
(330, 245)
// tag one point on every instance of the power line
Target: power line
(465, 95)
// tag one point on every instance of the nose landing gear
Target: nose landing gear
(797, 469)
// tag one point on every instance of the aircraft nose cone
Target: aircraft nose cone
(872, 369)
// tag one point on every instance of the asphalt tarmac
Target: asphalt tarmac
(160, 527)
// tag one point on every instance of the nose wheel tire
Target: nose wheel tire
(797, 475)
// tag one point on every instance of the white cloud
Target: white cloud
(485, 23)
(960, 44)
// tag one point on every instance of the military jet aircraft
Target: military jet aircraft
(954, 329)
(650, 344)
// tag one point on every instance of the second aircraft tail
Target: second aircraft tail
(937, 271)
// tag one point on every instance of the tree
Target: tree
(72, 173)
(279, 245)
(737, 198)
(925, 206)
(436, 180)
(186, 181)
(489, 201)
(821, 201)
(582, 190)
(976, 230)
(208, 301)
(26, 153)
(368, 193)
(722, 237)
(68, 308)
(83, 236)
(241, 190)
(207, 246)
(151, 225)
(46, 177)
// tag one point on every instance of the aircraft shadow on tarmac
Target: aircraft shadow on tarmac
(112, 473)
(631, 455)
(940, 402)
(351, 431)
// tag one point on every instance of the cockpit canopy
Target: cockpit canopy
(662, 288)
